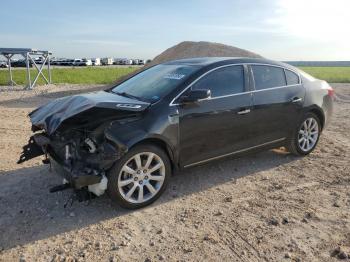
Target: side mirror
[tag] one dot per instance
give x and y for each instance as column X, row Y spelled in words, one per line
column 195, row 95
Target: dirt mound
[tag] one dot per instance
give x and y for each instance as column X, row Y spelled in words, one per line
column 190, row 49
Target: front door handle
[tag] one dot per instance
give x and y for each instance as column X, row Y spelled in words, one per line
column 296, row 100
column 243, row 112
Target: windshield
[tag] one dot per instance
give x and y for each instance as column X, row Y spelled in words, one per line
column 156, row 82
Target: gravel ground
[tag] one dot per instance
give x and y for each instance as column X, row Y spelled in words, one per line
column 269, row 206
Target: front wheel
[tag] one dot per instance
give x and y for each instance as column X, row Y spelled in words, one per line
column 139, row 177
column 306, row 135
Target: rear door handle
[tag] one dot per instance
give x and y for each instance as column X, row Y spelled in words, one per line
column 296, row 100
column 243, row 112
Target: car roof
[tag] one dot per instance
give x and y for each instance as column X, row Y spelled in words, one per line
column 212, row 61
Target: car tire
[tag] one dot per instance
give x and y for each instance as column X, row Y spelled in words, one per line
column 305, row 136
column 133, row 171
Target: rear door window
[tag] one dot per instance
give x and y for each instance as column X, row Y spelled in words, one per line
column 223, row 81
column 268, row 76
column 292, row 78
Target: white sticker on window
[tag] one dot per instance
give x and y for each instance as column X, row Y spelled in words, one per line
column 174, row 76
column 128, row 105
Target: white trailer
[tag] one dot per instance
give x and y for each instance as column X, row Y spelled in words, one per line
column 87, row 62
column 96, row 61
column 107, row 61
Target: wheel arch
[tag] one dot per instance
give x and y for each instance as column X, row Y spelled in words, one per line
column 318, row 112
column 161, row 143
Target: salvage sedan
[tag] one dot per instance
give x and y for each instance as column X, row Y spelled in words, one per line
column 129, row 139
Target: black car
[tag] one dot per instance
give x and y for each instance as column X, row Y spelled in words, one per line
column 3, row 65
column 128, row 139
column 21, row 63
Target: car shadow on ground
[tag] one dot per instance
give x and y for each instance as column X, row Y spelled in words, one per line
column 28, row 212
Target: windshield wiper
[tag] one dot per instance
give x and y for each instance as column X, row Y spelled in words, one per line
column 130, row 96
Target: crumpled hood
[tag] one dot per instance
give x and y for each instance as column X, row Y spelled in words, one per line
column 88, row 106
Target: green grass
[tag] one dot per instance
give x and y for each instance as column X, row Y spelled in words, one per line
column 86, row 75
column 330, row 74
column 108, row 75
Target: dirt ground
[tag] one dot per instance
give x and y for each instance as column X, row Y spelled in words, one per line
column 269, row 206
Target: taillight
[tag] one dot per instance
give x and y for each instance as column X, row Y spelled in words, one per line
column 330, row 91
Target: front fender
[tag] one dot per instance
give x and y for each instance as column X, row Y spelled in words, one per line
column 127, row 135
column 124, row 135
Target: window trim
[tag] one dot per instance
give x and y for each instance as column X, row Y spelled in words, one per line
column 217, row 68
column 275, row 87
column 172, row 103
column 285, row 75
column 208, row 72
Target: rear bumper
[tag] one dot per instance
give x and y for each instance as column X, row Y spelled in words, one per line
column 328, row 110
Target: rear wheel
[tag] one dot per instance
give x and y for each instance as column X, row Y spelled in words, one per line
column 139, row 177
column 306, row 135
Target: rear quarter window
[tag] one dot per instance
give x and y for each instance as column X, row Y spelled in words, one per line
column 268, row 76
column 291, row 77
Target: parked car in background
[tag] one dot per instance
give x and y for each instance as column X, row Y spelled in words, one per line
column 82, row 62
column 116, row 61
column 53, row 61
column 57, row 61
column 66, row 62
column 141, row 62
column 3, row 65
column 21, row 63
column 176, row 115
column 39, row 60
column 87, row 62
column 125, row 61
column 77, row 62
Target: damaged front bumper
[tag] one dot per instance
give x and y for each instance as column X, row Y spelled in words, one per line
column 78, row 160
column 77, row 176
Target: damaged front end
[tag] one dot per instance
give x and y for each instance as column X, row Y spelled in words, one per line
column 71, row 133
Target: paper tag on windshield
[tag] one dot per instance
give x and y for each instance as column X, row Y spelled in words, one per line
column 174, row 76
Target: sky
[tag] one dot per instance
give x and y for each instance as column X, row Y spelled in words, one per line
column 276, row 29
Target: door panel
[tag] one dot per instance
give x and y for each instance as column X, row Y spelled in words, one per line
column 276, row 105
column 276, row 112
column 214, row 127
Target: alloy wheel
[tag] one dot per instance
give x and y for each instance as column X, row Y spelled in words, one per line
column 308, row 134
column 141, row 177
